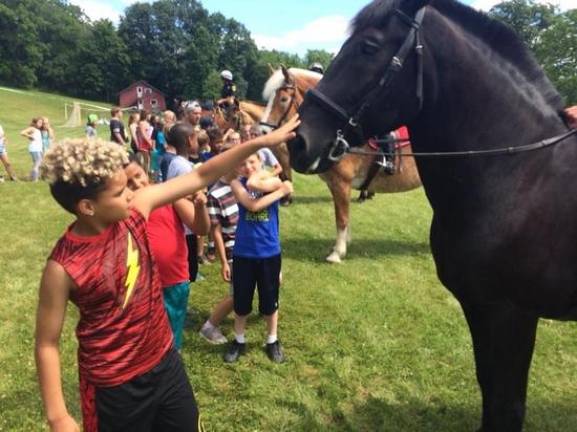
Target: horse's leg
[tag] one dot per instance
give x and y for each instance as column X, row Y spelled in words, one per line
column 503, row 341
column 341, row 192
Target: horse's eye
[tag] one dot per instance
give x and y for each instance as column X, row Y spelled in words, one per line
column 284, row 99
column 369, row 47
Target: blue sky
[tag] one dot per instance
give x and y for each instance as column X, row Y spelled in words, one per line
column 292, row 25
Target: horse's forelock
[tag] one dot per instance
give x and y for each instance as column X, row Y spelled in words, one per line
column 373, row 14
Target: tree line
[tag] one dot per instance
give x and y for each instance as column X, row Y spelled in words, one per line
column 180, row 47
column 176, row 45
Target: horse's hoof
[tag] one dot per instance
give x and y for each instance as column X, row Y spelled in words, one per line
column 334, row 258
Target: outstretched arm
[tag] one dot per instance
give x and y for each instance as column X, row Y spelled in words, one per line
column 54, row 291
column 210, row 171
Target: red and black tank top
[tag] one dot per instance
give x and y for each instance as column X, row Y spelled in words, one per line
column 123, row 331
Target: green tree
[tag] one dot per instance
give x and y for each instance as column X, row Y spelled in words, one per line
column 557, row 52
column 527, row 17
column 212, row 86
column 551, row 35
column 104, row 63
column 318, row 56
column 20, row 52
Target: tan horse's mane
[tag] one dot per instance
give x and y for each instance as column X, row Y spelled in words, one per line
column 253, row 109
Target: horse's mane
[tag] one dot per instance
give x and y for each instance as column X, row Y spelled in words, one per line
column 495, row 34
column 277, row 80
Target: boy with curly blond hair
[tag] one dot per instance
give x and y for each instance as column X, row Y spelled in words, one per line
column 131, row 377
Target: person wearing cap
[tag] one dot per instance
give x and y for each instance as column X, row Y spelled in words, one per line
column 228, row 92
column 91, row 126
column 317, row 67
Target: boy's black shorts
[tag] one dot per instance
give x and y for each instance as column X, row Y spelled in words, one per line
column 250, row 272
column 158, row 401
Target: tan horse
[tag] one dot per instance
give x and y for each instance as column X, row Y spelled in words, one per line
column 284, row 92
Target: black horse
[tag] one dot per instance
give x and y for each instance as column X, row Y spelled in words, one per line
column 504, row 228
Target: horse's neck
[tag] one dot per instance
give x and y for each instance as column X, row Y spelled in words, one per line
column 254, row 111
column 478, row 99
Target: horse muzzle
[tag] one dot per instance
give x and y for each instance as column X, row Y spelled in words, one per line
column 308, row 159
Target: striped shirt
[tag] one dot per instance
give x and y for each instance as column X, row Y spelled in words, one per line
column 223, row 210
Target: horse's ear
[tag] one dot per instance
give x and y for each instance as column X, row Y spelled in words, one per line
column 287, row 75
column 271, row 69
column 410, row 7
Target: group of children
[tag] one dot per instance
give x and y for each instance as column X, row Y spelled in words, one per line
column 123, row 264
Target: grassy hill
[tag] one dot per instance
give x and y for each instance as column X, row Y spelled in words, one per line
column 19, row 107
column 374, row 344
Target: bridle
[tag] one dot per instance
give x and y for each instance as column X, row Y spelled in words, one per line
column 412, row 42
column 341, row 146
column 293, row 104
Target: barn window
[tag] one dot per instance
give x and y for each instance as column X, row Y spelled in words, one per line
column 139, row 91
column 154, row 103
column 147, row 91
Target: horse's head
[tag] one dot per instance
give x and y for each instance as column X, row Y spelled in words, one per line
column 284, row 93
column 371, row 87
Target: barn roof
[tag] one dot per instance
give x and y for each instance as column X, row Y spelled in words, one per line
column 144, row 83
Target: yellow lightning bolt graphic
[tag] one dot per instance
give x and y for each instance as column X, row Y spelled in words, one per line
column 132, row 270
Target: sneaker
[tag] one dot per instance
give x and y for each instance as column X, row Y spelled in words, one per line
column 212, row 335
column 234, row 351
column 274, row 352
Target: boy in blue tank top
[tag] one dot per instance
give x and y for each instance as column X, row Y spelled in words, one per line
column 256, row 254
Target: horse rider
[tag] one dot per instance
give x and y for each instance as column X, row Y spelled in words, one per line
column 317, row 67
column 228, row 92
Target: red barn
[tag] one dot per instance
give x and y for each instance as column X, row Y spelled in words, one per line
column 142, row 95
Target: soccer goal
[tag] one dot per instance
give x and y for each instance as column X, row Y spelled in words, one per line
column 76, row 113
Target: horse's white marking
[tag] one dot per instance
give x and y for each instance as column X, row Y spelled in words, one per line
column 277, row 80
column 340, row 248
column 315, row 165
column 333, row 258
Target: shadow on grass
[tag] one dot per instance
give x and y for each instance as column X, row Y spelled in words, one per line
column 307, row 249
column 377, row 415
column 302, row 200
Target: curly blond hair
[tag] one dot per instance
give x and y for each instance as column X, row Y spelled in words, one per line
column 82, row 161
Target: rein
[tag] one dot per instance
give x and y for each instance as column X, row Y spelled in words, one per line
column 492, row 152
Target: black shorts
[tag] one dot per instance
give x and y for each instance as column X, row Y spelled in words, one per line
column 161, row 400
column 247, row 273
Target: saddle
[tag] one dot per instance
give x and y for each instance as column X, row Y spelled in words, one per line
column 388, row 157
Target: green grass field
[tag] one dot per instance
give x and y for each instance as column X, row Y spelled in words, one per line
column 374, row 344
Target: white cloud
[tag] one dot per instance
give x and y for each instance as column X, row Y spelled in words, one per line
column 485, row 5
column 96, row 10
column 327, row 32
